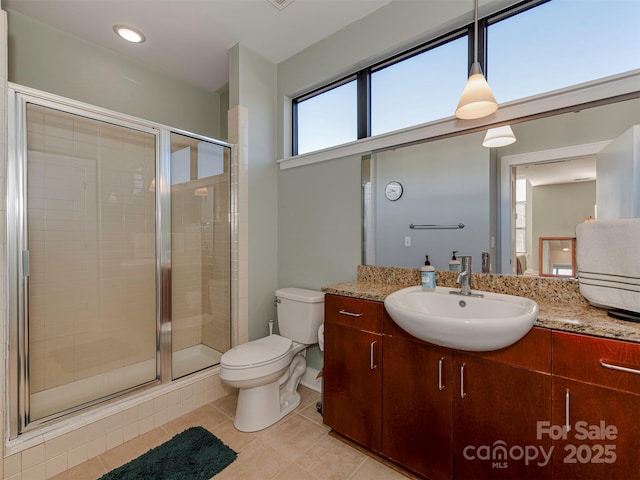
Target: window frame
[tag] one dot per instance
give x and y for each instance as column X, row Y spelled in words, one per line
column 315, row 93
column 363, row 76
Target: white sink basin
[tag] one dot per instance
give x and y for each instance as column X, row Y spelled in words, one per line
column 477, row 324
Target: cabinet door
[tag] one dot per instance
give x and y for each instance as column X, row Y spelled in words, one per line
column 497, row 408
column 353, row 384
column 416, row 415
column 603, row 438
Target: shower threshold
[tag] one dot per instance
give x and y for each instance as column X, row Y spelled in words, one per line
column 58, row 399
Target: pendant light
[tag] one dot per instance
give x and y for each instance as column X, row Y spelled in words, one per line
column 477, row 100
column 499, row 137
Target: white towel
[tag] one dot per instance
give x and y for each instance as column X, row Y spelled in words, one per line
column 608, row 261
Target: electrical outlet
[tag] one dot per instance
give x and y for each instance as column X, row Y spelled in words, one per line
column 407, row 241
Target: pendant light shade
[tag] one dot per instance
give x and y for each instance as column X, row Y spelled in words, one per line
column 477, row 99
column 499, row 137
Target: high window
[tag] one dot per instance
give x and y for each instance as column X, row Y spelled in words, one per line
column 531, row 48
column 418, row 89
column 580, row 41
column 327, row 118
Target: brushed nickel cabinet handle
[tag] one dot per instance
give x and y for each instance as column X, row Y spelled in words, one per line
column 462, row 392
column 440, row 384
column 350, row 314
column 567, row 424
column 373, row 355
column 619, row 368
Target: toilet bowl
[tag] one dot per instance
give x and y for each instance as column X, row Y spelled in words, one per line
column 267, row 371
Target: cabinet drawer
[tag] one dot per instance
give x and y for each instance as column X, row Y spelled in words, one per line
column 353, row 312
column 532, row 352
column 609, row 363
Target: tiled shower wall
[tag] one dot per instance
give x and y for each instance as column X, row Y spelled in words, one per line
column 200, row 266
column 186, row 269
column 238, row 128
column 216, row 265
column 201, row 261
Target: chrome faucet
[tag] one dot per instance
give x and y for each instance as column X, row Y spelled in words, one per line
column 464, row 277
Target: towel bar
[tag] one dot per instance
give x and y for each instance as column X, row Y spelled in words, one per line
column 435, row 227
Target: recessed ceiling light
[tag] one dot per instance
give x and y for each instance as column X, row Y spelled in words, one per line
column 130, row 34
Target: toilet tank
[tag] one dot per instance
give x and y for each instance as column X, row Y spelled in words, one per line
column 300, row 313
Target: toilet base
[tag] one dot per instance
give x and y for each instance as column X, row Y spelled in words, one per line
column 262, row 406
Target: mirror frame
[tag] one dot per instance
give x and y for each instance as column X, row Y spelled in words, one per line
column 572, row 241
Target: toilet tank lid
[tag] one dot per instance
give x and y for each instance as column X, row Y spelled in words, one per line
column 300, row 295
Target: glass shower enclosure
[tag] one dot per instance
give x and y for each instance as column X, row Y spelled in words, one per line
column 119, row 256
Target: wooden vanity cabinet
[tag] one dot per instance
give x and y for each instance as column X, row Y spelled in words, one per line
column 417, row 403
column 498, row 405
column 352, row 402
column 430, row 409
column 440, row 405
column 596, row 393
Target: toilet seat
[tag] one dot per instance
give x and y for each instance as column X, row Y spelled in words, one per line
column 257, row 353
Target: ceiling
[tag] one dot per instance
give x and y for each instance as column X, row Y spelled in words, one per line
column 189, row 39
column 581, row 169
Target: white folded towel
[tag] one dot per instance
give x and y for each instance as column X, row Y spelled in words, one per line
column 608, row 262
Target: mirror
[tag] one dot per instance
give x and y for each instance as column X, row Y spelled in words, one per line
column 557, row 257
column 550, row 200
column 456, row 180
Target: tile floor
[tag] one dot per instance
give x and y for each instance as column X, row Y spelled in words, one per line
column 298, row 447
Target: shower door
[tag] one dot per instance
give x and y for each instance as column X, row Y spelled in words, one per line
column 200, row 253
column 119, row 256
column 89, row 324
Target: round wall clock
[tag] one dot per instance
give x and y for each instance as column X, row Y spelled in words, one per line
column 393, row 191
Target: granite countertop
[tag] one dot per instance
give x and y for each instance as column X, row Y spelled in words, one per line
column 560, row 308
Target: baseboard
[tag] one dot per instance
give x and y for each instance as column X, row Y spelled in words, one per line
column 309, row 379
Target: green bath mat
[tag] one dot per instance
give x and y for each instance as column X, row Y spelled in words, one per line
column 195, row 454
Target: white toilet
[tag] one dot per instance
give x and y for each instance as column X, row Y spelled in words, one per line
column 268, row 370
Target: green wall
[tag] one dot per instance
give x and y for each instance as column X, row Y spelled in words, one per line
column 319, row 227
column 51, row 60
